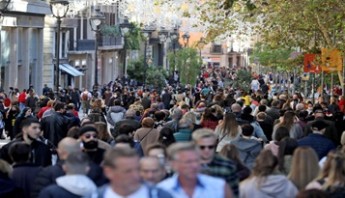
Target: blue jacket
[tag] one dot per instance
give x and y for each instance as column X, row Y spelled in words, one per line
column 321, row 144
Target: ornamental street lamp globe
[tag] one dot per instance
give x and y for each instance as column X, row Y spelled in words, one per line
column 59, row 8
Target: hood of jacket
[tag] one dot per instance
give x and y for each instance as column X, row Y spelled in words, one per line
column 117, row 109
column 243, row 144
column 77, row 184
column 275, row 185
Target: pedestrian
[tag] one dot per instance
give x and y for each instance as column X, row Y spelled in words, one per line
column 152, row 170
column 185, row 161
column 75, row 183
column 147, row 134
column 121, row 167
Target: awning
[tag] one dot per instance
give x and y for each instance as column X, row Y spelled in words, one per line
column 70, row 70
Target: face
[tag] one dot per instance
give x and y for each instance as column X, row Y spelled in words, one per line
column 187, row 164
column 28, row 112
column 156, row 152
column 151, row 171
column 89, row 136
column 207, row 148
column 125, row 173
column 34, row 130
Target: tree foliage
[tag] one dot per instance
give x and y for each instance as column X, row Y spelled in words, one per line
column 243, row 80
column 187, row 61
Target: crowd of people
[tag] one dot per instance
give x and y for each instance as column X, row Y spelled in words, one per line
column 207, row 140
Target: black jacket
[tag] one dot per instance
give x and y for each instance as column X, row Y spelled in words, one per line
column 55, row 191
column 40, row 153
column 8, row 188
column 55, row 127
column 23, row 175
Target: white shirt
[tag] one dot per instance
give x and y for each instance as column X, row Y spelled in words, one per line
column 142, row 192
column 206, row 187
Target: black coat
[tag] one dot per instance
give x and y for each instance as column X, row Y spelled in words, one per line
column 40, row 153
column 23, row 175
column 55, row 191
column 8, row 188
column 55, row 127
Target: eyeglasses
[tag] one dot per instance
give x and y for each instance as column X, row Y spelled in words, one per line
column 203, row 147
column 88, row 136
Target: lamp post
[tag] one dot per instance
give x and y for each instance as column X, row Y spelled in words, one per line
column 146, row 34
column 95, row 22
column 185, row 38
column 174, row 36
column 59, row 9
column 125, row 28
column 201, row 44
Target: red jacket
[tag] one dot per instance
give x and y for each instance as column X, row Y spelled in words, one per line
column 22, row 97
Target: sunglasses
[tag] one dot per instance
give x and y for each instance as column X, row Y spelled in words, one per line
column 88, row 136
column 210, row 147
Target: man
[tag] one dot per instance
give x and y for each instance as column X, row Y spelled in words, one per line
column 188, row 182
column 121, row 167
column 75, row 183
column 331, row 131
column 166, row 98
column 89, row 140
column 115, row 113
column 212, row 163
column 85, row 100
column 55, row 126
column 176, row 117
column 274, row 111
column 40, row 152
column 128, row 120
column 152, row 170
column 184, row 133
column 248, row 147
column 317, row 140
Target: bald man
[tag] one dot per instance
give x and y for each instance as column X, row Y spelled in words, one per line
column 151, row 170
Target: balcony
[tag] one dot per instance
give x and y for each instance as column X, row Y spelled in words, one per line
column 105, row 43
column 216, row 49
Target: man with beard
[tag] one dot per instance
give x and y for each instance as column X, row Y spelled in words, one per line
column 89, row 140
column 40, row 152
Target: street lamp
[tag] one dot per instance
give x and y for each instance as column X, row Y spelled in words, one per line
column 147, row 34
column 174, row 36
column 163, row 37
column 95, row 22
column 201, row 44
column 3, row 7
column 125, row 28
column 185, row 38
column 59, row 9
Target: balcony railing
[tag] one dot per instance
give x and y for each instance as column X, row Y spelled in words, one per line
column 104, row 41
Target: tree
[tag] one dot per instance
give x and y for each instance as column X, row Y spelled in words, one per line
column 187, row 61
column 136, row 69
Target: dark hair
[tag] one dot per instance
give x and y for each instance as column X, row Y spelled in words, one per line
column 125, row 129
column 247, row 130
column 166, row 136
column 28, row 121
column 73, row 132
column 20, row 152
column 117, row 102
column 281, row 133
column 58, row 106
column 159, row 115
column 262, row 108
column 286, row 147
column 124, row 139
column 312, row 193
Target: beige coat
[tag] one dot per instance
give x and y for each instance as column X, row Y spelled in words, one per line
column 146, row 136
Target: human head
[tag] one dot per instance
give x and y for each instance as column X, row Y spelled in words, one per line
column 102, row 130
column 236, row 108
column 151, row 170
column 166, row 136
column 247, row 130
column 265, row 164
column 130, row 114
column 319, row 126
column 20, row 152
column 76, row 163
column 121, row 168
column 185, row 124
column 59, row 107
column 177, row 114
column 88, row 135
column 304, row 167
column 31, row 128
column 318, row 112
column 205, row 139
column 148, row 122
column 312, row 193
column 66, row 146
column 124, row 141
column 159, row 115
column 185, row 160
column 281, row 133
column 230, row 152
column 261, row 116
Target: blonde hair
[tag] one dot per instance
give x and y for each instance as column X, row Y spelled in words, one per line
column 203, row 133
column 5, row 167
column 342, row 139
column 304, row 167
column 336, row 175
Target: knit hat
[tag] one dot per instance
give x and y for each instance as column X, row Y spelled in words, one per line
column 86, row 129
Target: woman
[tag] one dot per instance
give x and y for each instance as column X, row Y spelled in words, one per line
column 289, row 121
column 25, row 113
column 230, row 152
column 304, row 167
column 264, row 182
column 97, row 111
column 332, row 179
column 227, row 130
column 209, row 118
column 103, row 133
column 10, row 120
column 166, row 136
column 147, row 134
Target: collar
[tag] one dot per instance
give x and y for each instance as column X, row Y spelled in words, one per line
column 177, row 184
